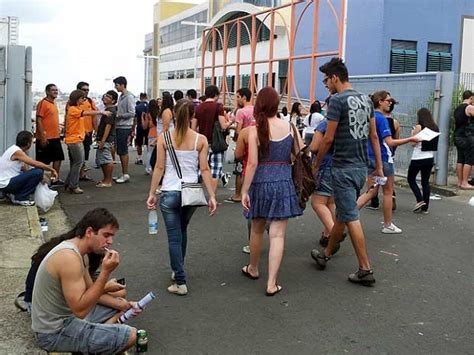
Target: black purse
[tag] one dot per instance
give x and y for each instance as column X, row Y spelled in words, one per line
column 218, row 144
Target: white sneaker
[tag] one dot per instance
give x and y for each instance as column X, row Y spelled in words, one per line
column 172, row 276
column 391, row 229
column 123, row 179
column 246, row 249
column 180, row 290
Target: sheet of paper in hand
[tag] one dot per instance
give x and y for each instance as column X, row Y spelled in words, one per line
column 427, row 134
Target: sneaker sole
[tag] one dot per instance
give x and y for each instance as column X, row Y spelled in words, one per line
column 391, row 232
column 315, row 258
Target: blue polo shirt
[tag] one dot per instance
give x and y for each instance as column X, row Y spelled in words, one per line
column 383, row 131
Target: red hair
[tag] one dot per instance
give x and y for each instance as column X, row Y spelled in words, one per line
column 266, row 106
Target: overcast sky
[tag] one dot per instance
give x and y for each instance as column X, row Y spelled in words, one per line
column 88, row 40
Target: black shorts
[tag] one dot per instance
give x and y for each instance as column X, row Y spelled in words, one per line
column 52, row 152
column 142, row 137
column 465, row 148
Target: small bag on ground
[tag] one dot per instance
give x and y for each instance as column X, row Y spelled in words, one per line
column 44, row 197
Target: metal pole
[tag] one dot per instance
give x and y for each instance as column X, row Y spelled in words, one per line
column 442, row 107
column 195, row 50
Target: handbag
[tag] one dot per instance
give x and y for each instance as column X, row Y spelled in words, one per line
column 218, row 143
column 302, row 172
column 192, row 193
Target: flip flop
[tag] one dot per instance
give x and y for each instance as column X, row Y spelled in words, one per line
column 231, row 199
column 270, row 294
column 246, row 273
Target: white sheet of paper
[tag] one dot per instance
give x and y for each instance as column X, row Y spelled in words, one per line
column 427, row 134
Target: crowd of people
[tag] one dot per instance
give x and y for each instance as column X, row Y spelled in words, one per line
column 352, row 144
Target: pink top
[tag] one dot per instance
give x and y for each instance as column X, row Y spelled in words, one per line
column 245, row 116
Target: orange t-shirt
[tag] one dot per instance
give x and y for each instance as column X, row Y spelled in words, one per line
column 75, row 130
column 49, row 114
column 88, row 120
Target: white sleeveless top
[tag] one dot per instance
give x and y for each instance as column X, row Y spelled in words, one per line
column 189, row 164
column 418, row 154
column 9, row 168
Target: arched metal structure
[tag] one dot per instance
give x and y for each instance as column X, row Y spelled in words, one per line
column 268, row 18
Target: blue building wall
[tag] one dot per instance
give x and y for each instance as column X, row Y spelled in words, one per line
column 372, row 24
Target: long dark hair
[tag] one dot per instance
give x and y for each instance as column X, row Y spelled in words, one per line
column 184, row 112
column 166, row 102
column 425, row 119
column 266, row 106
column 295, row 109
column 96, row 219
column 153, row 110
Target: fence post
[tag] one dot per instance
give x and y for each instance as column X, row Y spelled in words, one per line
column 446, row 98
column 3, row 76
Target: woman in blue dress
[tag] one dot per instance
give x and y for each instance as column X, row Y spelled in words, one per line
column 268, row 193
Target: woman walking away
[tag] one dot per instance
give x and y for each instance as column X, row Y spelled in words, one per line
column 422, row 160
column 311, row 122
column 75, row 133
column 191, row 150
column 268, row 193
column 322, row 199
column 164, row 121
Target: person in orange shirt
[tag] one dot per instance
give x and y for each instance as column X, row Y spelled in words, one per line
column 75, row 133
column 48, row 142
column 87, row 105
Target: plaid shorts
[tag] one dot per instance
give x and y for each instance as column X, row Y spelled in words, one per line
column 216, row 161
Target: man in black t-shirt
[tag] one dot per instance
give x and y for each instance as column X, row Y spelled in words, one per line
column 105, row 139
column 141, row 135
column 464, row 139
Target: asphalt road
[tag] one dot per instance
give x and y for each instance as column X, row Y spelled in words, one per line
column 422, row 301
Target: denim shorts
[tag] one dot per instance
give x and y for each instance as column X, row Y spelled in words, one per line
column 388, row 168
column 121, row 137
column 347, row 184
column 87, row 335
column 104, row 156
column 324, row 183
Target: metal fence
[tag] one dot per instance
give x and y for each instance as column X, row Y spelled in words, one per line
column 412, row 91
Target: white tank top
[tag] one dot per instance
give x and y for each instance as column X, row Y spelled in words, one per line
column 418, row 154
column 189, row 164
column 9, row 168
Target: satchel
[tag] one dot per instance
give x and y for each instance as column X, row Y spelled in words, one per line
column 192, row 194
column 302, row 172
column 218, row 143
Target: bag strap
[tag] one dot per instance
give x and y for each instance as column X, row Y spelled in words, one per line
column 172, row 153
column 294, row 149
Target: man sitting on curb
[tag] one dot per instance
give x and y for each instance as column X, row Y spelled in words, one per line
column 16, row 179
column 70, row 312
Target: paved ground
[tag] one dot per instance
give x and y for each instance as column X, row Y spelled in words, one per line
column 422, row 302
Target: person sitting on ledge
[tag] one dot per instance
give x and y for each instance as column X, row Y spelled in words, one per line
column 70, row 312
column 17, row 179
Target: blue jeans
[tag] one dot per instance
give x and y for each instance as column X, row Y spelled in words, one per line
column 23, row 185
column 176, row 221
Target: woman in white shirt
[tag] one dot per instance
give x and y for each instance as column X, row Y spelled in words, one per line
column 191, row 150
column 312, row 121
column 422, row 160
column 16, row 179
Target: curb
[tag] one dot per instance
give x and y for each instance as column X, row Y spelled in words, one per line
column 33, row 222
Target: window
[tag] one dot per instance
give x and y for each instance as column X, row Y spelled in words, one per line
column 230, row 83
column 403, row 57
column 245, row 81
column 439, row 57
column 207, row 81
column 177, row 33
